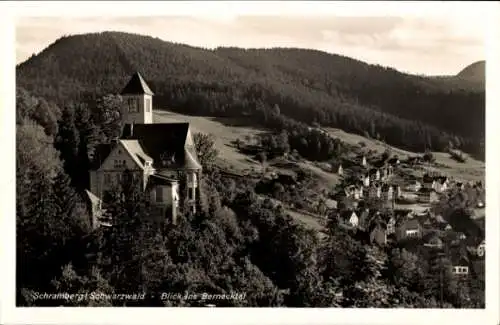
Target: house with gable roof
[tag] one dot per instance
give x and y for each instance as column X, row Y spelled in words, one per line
column 409, row 228
column 161, row 157
column 349, row 217
column 460, row 262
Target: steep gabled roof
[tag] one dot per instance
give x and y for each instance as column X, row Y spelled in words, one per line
column 165, row 143
column 136, row 86
column 94, row 200
column 135, row 150
column 190, row 162
column 347, row 214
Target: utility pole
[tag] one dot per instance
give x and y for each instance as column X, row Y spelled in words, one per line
column 441, row 282
column 440, row 255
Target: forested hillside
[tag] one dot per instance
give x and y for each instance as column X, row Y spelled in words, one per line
column 474, row 72
column 407, row 111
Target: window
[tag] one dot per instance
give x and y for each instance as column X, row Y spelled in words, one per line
column 107, row 178
column 120, row 163
column 190, row 194
column 461, row 269
column 412, row 233
column 132, row 105
column 159, row 194
column 148, row 105
column 118, row 178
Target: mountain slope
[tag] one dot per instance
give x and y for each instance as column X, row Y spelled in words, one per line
column 309, row 86
column 474, row 72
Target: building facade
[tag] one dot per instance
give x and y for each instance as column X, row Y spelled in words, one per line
column 161, row 158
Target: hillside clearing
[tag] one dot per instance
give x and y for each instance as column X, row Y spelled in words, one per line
column 472, row 169
column 225, row 134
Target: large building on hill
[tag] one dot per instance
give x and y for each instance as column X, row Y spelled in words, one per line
column 161, row 158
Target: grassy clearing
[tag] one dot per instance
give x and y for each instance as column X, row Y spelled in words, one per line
column 472, row 169
column 306, row 220
column 328, row 180
column 223, row 133
column 226, row 130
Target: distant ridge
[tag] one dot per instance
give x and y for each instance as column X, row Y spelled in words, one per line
column 309, row 86
column 474, row 72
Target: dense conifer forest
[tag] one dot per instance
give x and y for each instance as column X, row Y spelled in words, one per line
column 239, row 242
column 407, row 111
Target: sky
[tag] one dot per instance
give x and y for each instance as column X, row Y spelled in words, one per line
column 434, row 43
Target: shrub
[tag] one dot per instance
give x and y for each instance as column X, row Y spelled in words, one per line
column 457, row 156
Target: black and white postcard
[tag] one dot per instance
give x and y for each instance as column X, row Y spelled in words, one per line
column 324, row 159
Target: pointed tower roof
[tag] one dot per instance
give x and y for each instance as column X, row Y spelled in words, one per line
column 136, row 86
column 190, row 162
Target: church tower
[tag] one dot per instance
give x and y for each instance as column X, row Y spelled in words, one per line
column 138, row 101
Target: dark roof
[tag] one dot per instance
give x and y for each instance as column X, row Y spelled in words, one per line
column 459, row 256
column 136, row 86
column 156, row 179
column 347, row 214
column 432, row 237
column 393, row 160
column 412, row 224
column 425, row 190
column 427, row 178
column 442, row 179
column 101, row 152
column 165, row 143
column 473, row 241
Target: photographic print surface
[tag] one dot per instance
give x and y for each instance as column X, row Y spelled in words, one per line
column 252, row 161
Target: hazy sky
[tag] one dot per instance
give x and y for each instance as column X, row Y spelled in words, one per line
column 439, row 44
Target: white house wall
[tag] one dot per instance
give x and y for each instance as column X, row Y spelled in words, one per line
column 141, row 116
column 98, row 179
